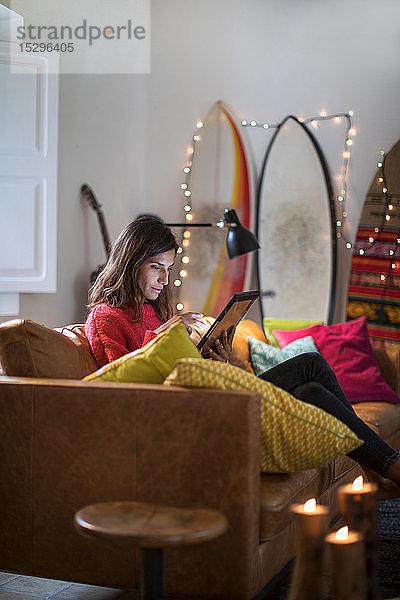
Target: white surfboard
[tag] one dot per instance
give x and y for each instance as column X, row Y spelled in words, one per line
column 296, row 228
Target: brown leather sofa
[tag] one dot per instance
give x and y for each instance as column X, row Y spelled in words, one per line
column 66, row 443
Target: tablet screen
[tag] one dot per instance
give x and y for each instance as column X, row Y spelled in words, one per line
column 230, row 316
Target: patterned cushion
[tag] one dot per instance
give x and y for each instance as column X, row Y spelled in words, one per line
column 294, row 435
column 264, row 357
column 153, row 362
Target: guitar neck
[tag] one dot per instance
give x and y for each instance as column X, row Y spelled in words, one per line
column 104, row 232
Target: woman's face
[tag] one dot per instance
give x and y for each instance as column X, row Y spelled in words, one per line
column 153, row 275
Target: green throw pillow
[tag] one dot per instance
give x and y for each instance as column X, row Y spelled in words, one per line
column 287, row 324
column 264, row 357
column 152, row 363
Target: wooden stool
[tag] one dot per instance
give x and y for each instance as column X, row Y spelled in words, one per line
column 153, row 528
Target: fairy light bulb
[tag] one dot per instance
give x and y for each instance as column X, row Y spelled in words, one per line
column 183, row 273
column 177, row 282
column 391, row 252
column 380, row 179
column 382, row 153
column 349, row 142
column 346, row 154
column 370, row 239
column 183, row 186
column 180, row 250
column 323, row 113
column 186, row 170
column 340, row 198
column 253, row 123
column 338, row 223
column 379, row 165
column 390, row 206
column 344, row 213
column 186, row 234
column 188, row 193
column 196, row 138
column 190, row 150
column 199, row 124
column 351, row 113
column 393, row 265
column 387, row 217
column 185, row 260
column 187, row 207
column 314, row 124
column 384, row 190
column 376, row 229
column 352, row 131
column 338, row 119
column 361, row 251
column 244, row 123
column 189, row 216
column 179, row 306
column 348, row 245
column 383, row 277
column 266, row 125
column 185, row 243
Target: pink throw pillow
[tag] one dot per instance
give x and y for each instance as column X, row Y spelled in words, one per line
column 348, row 350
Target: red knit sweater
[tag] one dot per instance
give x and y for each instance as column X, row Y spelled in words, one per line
column 112, row 333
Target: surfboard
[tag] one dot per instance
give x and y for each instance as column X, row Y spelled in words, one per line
column 374, row 286
column 221, row 177
column 296, row 228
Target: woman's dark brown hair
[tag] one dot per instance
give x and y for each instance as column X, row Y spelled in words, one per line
column 117, row 283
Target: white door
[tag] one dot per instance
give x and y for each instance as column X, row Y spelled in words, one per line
column 28, row 175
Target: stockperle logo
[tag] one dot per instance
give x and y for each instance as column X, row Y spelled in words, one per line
column 84, row 36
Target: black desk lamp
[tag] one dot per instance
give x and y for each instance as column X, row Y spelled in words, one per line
column 239, row 240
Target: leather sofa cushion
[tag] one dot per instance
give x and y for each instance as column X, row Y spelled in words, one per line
column 279, row 491
column 28, row 349
column 383, row 417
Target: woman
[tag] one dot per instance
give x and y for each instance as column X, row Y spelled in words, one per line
column 130, row 305
column 130, row 299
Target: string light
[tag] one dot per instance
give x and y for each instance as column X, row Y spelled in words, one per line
column 350, row 132
column 179, row 306
column 177, row 282
column 384, row 278
column 185, row 259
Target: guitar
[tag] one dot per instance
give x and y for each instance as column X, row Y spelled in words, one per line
column 88, row 195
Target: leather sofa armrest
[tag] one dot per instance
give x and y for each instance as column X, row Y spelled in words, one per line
column 73, row 443
column 388, row 360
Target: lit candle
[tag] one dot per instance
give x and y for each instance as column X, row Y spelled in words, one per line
column 347, row 565
column 312, row 523
column 358, row 506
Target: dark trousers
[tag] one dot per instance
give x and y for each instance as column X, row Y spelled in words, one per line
column 310, row 378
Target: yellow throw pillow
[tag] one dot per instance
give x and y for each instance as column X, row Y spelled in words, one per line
column 294, row 435
column 153, row 362
column 287, row 324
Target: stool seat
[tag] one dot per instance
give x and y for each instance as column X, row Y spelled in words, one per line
column 149, row 525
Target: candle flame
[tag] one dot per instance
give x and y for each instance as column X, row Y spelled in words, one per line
column 358, row 483
column 310, row 505
column 342, row 533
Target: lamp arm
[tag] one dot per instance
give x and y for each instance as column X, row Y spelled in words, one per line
column 191, row 224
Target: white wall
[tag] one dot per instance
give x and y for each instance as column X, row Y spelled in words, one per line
column 127, row 135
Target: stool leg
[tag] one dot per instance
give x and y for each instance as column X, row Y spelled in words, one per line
column 152, row 572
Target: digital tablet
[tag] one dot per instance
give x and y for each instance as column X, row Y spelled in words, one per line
column 230, row 316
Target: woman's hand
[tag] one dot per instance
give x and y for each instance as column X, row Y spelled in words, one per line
column 221, row 348
column 188, row 319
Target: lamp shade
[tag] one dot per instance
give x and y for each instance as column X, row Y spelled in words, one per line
column 239, row 239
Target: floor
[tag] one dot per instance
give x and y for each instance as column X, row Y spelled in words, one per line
column 21, row 587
